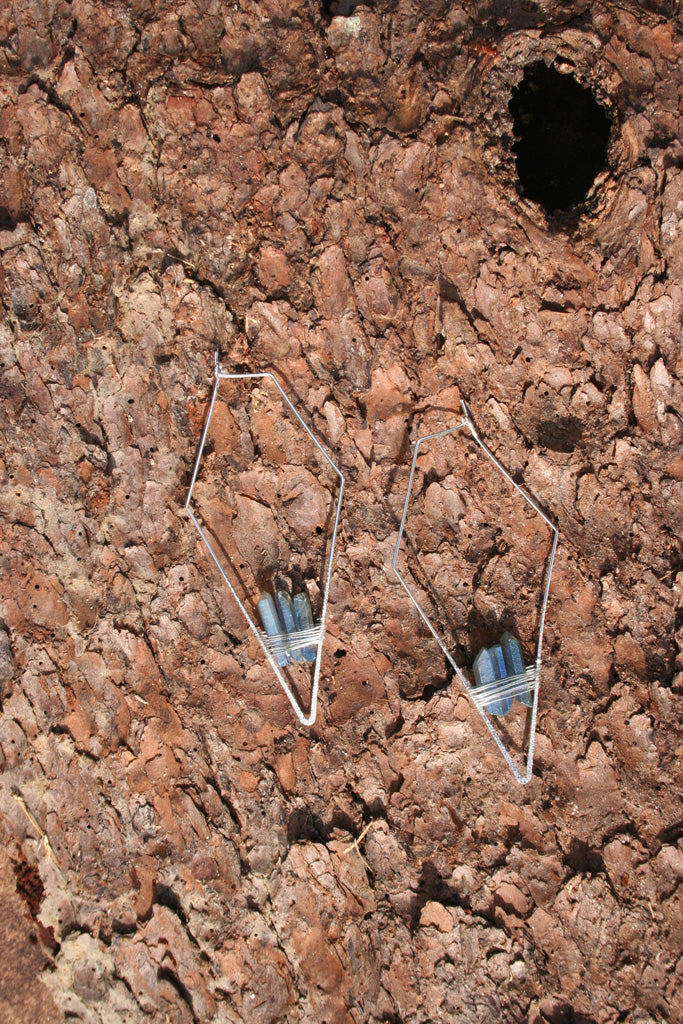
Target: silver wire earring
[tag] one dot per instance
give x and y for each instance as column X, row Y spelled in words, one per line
column 498, row 671
column 290, row 634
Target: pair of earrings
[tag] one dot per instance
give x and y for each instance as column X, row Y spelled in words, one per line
column 290, row 635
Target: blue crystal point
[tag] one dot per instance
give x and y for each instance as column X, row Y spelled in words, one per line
column 489, row 667
column 271, row 623
column 514, row 663
column 284, row 606
column 303, row 613
column 496, row 652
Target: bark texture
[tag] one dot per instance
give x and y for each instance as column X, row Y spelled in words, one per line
column 329, row 190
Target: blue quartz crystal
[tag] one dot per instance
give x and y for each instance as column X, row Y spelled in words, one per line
column 303, row 614
column 284, row 606
column 499, row 664
column 514, row 664
column 498, row 660
column 272, row 624
column 489, row 667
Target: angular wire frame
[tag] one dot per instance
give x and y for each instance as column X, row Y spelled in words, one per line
column 267, row 645
column 531, row 675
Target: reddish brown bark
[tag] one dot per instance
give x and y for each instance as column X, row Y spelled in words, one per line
column 332, row 193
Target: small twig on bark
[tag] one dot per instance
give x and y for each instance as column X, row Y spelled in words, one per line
column 354, row 845
column 50, row 852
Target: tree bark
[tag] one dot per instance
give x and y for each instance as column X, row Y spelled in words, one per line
column 329, row 192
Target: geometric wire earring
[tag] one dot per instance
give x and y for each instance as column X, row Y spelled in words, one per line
column 290, row 634
column 499, row 675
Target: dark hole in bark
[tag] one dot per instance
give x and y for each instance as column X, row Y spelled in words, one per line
column 561, row 134
column 340, row 8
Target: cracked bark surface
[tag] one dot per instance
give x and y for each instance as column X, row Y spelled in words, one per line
column 329, row 190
